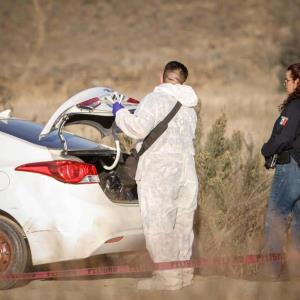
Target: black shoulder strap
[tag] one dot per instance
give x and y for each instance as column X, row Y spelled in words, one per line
column 159, row 129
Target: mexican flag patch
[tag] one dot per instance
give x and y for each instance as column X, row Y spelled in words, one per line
column 283, row 120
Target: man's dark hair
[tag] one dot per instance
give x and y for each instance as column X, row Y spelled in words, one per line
column 178, row 68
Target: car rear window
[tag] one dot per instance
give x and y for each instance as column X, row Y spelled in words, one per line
column 30, row 131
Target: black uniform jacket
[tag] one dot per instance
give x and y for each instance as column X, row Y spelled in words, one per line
column 286, row 133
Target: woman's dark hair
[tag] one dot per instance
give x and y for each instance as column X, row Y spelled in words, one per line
column 295, row 74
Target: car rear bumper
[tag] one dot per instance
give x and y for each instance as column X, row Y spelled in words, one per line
column 74, row 222
column 54, row 246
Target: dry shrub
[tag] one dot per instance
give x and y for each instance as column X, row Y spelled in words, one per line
column 6, row 96
column 233, row 195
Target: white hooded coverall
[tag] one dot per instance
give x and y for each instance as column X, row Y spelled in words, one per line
column 166, row 176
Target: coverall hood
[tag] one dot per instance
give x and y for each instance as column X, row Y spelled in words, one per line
column 183, row 93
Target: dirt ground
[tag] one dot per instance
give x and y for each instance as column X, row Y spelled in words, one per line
column 206, row 285
column 210, row 288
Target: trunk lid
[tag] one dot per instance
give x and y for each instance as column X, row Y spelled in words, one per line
column 93, row 105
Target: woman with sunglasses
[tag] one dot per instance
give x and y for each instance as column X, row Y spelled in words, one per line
column 282, row 152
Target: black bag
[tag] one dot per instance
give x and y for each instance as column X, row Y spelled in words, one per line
column 278, row 159
column 131, row 163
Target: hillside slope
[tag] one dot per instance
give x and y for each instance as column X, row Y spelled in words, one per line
column 52, row 49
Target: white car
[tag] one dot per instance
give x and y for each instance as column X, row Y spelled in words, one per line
column 62, row 196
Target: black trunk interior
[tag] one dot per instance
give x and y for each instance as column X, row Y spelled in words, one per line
column 114, row 183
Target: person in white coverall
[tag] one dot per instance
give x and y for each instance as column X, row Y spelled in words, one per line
column 166, row 176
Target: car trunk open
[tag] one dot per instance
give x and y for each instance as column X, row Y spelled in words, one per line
column 116, row 186
column 92, row 107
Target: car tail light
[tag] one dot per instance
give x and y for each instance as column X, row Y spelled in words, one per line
column 66, row 171
column 115, row 240
column 132, row 100
column 90, row 103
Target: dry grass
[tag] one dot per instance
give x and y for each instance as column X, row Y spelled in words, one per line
column 234, row 51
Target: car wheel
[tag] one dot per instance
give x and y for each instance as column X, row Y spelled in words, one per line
column 13, row 251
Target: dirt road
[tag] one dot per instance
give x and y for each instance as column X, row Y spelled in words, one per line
column 211, row 288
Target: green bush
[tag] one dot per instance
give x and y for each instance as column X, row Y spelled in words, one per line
column 233, row 195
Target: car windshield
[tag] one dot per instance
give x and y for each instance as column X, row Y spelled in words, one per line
column 30, row 131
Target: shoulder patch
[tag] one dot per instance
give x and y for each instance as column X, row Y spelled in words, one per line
column 283, row 120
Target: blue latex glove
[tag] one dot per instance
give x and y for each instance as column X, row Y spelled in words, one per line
column 116, row 106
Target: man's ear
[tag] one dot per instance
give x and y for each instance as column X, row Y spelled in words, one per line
column 161, row 78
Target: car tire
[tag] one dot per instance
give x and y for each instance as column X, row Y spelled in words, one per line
column 14, row 253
